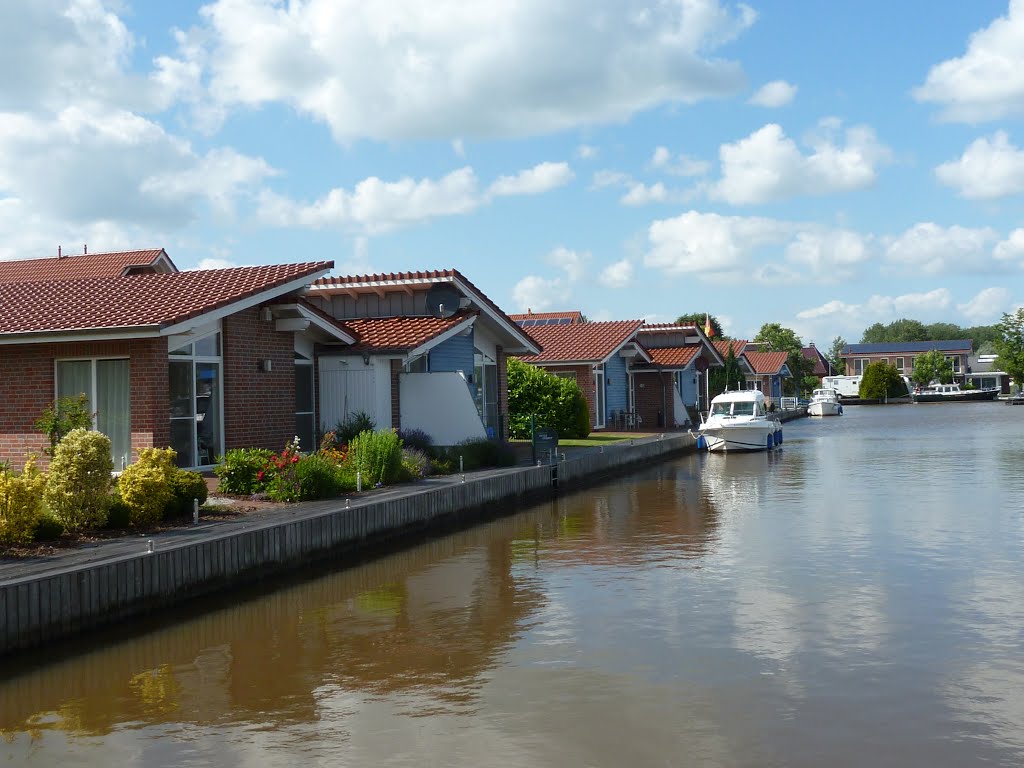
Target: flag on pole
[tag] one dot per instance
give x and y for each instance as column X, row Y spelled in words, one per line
column 708, row 330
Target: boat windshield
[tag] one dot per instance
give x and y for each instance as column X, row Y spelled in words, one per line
column 720, row 409
column 743, row 409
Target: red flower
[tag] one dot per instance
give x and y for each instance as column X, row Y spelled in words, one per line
column 295, row 459
column 259, row 475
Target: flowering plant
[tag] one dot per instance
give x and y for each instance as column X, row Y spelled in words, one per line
column 280, row 473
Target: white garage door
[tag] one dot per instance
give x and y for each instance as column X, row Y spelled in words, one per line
column 349, row 386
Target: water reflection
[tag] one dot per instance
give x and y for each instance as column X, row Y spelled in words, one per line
column 855, row 598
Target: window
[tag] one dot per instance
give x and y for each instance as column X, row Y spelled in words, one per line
column 485, row 391
column 565, row 374
column 105, row 385
column 859, row 364
column 196, row 397
column 955, row 360
column 899, row 364
column 305, row 422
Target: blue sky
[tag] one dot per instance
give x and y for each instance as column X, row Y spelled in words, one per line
column 821, row 165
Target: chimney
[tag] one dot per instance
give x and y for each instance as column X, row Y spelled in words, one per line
column 85, row 249
column 529, row 311
column 58, row 252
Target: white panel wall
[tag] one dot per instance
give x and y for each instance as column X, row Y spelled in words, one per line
column 441, row 405
column 348, row 385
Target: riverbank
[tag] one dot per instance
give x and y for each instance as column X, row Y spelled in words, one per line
column 44, row 599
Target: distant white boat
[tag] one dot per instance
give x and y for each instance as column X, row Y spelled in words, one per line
column 739, row 421
column 824, row 402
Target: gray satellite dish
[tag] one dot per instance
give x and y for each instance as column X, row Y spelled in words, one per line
column 442, row 300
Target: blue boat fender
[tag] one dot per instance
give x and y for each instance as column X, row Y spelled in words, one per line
column 840, row 410
column 770, row 441
column 702, row 443
column 778, row 437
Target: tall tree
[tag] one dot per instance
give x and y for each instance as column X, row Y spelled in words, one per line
column 697, row 318
column 835, row 356
column 1010, row 345
column 778, row 338
column 944, row 331
column 896, row 331
column 932, row 366
column 781, row 339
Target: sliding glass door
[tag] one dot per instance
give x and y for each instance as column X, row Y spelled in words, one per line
column 196, row 402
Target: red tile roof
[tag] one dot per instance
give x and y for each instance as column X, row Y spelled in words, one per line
column 813, row 354
column 367, row 283
column 582, row 342
column 766, row 363
column 722, row 345
column 138, row 301
column 668, row 326
column 397, row 334
column 75, row 267
column 574, row 316
column 673, row 357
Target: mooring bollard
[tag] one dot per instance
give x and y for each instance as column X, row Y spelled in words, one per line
column 195, row 511
column 460, row 465
column 149, row 546
column 348, row 503
column 359, row 481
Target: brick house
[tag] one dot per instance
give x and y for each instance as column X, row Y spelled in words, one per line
column 430, row 354
column 670, row 389
column 203, row 361
column 901, row 355
column 598, row 356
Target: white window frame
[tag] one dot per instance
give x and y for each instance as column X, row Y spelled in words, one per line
column 195, row 360
column 600, row 398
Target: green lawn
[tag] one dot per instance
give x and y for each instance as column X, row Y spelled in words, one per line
column 593, row 441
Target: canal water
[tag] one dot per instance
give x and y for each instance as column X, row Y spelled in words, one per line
column 855, row 598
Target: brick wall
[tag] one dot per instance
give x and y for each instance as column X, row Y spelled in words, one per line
column 652, row 393
column 27, row 387
column 259, row 406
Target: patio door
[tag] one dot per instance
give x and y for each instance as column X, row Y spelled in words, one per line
column 599, row 399
column 196, row 398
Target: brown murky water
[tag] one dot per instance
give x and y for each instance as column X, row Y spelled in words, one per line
column 853, row 599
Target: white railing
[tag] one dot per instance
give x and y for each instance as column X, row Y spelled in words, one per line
column 788, row 403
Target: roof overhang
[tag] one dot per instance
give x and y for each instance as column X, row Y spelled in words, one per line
column 522, row 343
column 300, row 318
column 630, row 350
column 86, row 334
column 455, row 330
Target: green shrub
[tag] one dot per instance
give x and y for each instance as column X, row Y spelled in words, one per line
column 119, row 516
column 280, row 476
column 353, row 425
column 62, row 416
column 881, row 381
column 186, row 486
column 416, row 438
column 480, row 453
column 378, row 455
column 415, row 464
column 21, row 502
column 146, row 493
column 47, row 528
column 78, row 483
column 550, row 400
column 318, row 476
column 241, row 471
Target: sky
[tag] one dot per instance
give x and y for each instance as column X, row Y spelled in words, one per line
column 824, row 166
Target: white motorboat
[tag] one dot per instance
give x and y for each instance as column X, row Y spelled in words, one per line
column 824, row 402
column 739, row 421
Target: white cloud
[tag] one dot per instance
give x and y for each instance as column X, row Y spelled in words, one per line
column 533, row 181
column 586, row 152
column 987, row 82
column 777, row 93
column 709, row 243
column 479, row 69
column 573, row 263
column 682, row 165
column 215, row 263
column 375, row 206
column 538, row 294
column 617, row 275
column 845, row 318
column 459, row 147
column 830, row 255
column 987, row 305
column 641, row 194
column 767, row 166
column 931, row 249
column 1012, row 248
column 987, row 169
column 606, row 178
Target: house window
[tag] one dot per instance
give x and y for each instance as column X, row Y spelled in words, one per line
column 305, row 422
column 955, row 360
column 196, row 397
column 859, row 364
column 899, row 364
column 485, row 386
column 105, row 385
